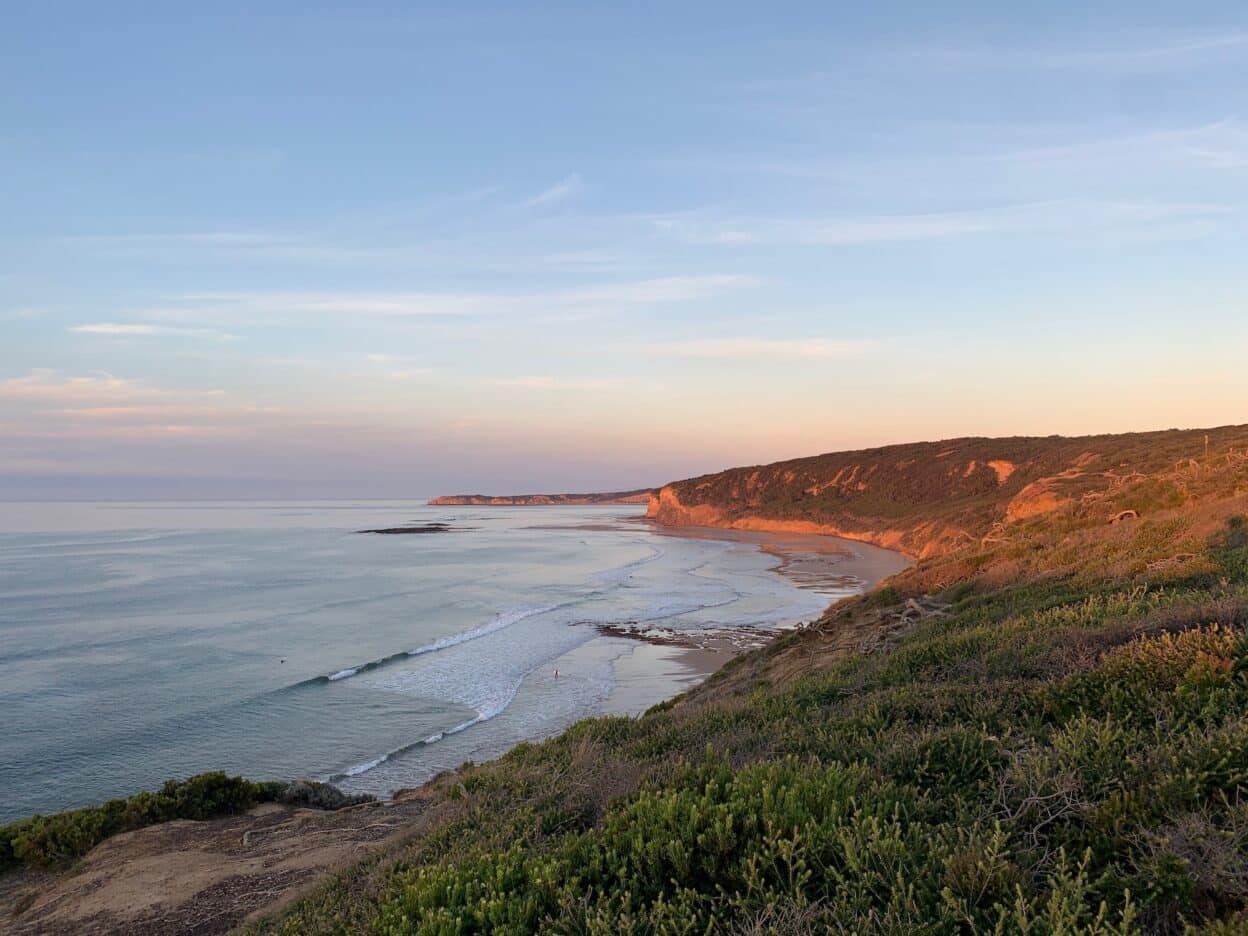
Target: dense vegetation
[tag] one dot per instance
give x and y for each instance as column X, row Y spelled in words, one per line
column 52, row 840
column 1044, row 733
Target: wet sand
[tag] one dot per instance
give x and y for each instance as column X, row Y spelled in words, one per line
column 650, row 669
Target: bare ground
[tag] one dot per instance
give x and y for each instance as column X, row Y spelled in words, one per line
column 197, row 878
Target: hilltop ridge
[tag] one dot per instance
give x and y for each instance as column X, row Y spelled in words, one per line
column 932, row 498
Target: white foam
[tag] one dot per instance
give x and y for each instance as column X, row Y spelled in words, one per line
column 492, row 711
column 506, row 619
column 464, row 726
column 365, row 768
column 500, row 621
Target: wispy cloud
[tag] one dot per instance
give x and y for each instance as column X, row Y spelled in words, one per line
column 655, row 291
column 660, row 290
column 231, row 246
column 832, row 231
column 531, row 382
column 103, row 408
column 332, row 303
column 45, row 384
column 561, row 191
column 509, row 243
column 149, row 330
column 1038, row 217
column 587, row 260
column 1222, row 144
column 149, row 413
column 758, row 348
column 548, row 382
column 1142, row 53
column 1188, row 51
column 398, row 367
column 242, row 240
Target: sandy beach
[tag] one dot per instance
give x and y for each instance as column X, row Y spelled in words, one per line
column 818, row 562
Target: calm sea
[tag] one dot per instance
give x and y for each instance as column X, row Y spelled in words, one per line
column 140, row 642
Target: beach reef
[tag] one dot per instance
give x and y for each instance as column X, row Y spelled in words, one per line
column 1039, row 728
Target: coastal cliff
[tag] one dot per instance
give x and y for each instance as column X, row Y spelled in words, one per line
column 666, row 507
column 640, row 496
column 932, row 498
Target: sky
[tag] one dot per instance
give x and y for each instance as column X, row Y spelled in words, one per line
column 403, row 249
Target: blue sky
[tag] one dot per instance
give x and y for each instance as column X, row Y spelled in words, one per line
column 405, row 248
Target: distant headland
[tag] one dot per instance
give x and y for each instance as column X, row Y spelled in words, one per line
column 641, row 496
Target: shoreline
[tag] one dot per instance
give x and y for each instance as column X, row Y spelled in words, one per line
column 810, row 558
column 652, row 664
column 831, row 566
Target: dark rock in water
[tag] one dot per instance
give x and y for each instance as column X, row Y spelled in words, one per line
column 422, row 528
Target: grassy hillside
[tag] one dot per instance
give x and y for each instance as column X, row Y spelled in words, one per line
column 1042, row 732
column 936, row 497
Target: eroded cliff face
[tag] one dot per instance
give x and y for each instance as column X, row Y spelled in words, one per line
column 923, row 540
column 933, row 498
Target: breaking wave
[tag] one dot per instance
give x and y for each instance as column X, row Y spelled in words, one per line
column 506, row 619
column 496, row 707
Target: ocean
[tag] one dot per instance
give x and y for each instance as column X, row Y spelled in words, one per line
column 140, row 642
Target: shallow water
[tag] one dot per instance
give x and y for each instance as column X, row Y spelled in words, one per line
column 141, row 642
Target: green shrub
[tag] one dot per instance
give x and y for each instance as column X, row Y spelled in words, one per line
column 314, row 795
column 52, row 840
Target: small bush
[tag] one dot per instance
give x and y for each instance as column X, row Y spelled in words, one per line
column 316, row 795
column 1237, row 532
